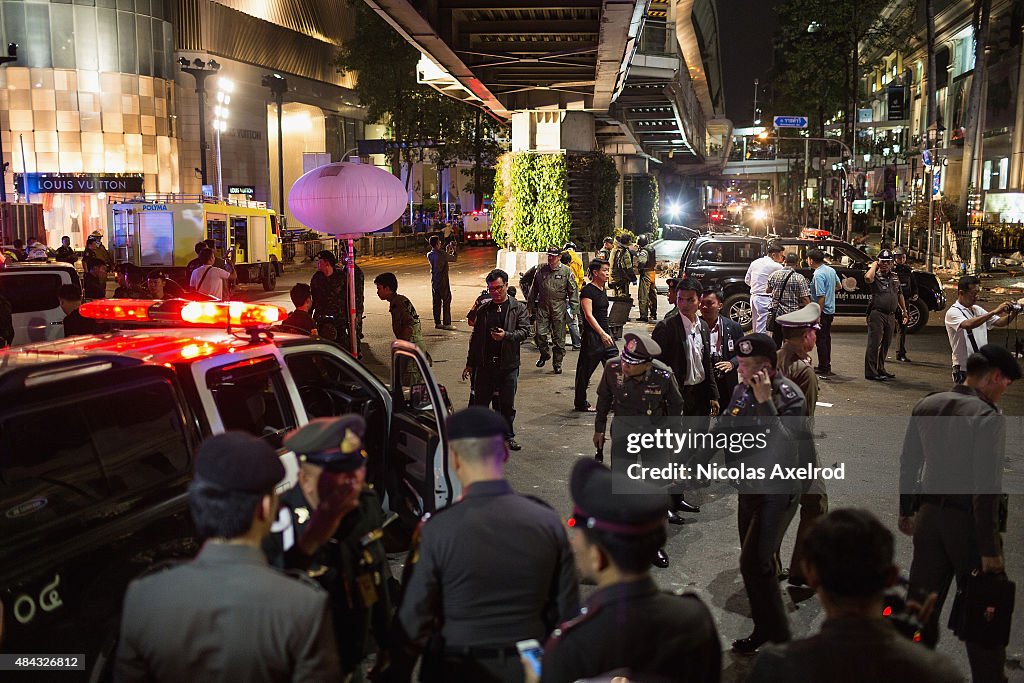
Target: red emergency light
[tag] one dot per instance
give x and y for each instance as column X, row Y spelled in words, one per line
column 205, row 313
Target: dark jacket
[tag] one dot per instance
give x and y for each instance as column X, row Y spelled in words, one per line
column 732, row 332
column 517, row 329
column 671, row 337
column 330, row 294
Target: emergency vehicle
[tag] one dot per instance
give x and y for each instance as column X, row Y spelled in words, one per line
column 98, row 433
column 477, row 226
column 162, row 234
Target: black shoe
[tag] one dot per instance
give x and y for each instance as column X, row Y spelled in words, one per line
column 783, row 575
column 888, row 374
column 903, row 359
column 437, row 326
column 644, row 320
column 876, row 378
column 683, row 506
column 749, row 645
column 513, row 445
column 674, row 518
column 661, row 559
column 557, row 368
column 542, row 361
column 584, row 409
column 576, row 347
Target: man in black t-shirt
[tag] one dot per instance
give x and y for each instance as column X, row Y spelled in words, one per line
column 300, row 321
column 597, row 339
column 70, row 297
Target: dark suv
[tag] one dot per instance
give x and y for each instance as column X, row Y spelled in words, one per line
column 722, row 260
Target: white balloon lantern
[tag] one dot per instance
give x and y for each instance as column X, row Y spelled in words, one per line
column 349, row 200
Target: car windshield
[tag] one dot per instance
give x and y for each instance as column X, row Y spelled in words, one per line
column 669, row 250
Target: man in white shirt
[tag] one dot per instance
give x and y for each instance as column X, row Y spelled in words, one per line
column 207, row 278
column 967, row 324
column 757, row 279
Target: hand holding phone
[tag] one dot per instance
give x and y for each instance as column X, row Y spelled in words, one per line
column 531, row 654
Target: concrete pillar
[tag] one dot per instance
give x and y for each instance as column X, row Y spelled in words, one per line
column 1017, row 154
column 553, row 131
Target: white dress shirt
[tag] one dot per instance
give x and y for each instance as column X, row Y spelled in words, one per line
column 758, row 274
column 695, row 352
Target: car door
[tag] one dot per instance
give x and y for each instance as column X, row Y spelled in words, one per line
column 35, row 308
column 421, row 481
column 850, row 264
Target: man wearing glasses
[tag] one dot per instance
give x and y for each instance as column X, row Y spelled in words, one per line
column 502, row 325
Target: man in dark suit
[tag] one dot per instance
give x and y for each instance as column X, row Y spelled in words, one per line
column 725, row 335
column 269, row 627
column 685, row 342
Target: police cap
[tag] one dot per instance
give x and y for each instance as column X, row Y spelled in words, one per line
column 236, row 461
column 899, row 251
column 321, row 442
column 639, row 348
column 1000, row 357
column 554, row 251
column 608, row 239
column 885, row 255
column 807, row 316
column 613, row 503
column 476, row 422
column 757, row 344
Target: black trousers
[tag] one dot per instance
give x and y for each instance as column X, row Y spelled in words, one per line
column 824, row 343
column 901, row 330
column 441, row 293
column 945, row 548
column 448, row 667
column 879, row 337
column 763, row 520
column 490, row 379
column 587, row 361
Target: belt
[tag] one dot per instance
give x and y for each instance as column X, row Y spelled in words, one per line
column 954, row 502
column 477, row 652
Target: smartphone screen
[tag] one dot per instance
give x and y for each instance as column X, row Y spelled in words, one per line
column 532, row 652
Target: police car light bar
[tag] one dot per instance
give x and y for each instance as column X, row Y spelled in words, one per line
column 205, row 313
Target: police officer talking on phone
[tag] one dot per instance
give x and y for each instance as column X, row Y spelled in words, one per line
column 887, row 303
column 627, row 626
column 330, row 527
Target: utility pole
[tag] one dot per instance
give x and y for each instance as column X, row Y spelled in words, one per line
column 200, row 71
column 278, row 87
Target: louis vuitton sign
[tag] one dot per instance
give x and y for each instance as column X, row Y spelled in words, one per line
column 80, row 183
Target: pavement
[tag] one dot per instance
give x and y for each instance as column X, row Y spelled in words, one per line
column 857, row 417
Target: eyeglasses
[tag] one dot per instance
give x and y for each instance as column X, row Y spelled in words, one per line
column 495, row 288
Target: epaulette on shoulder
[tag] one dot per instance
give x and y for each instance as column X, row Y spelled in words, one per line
column 787, row 391
column 586, row 613
column 303, row 578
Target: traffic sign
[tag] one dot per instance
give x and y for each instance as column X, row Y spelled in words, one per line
column 790, row 121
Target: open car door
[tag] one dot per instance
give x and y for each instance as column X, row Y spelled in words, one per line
column 418, row 477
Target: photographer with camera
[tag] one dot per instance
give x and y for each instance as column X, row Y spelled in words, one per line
column 967, row 323
column 848, row 561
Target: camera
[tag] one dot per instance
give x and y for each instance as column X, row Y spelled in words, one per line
column 1016, row 307
column 895, row 610
column 716, row 358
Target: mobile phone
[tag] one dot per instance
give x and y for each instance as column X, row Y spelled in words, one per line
column 495, row 329
column 532, row 652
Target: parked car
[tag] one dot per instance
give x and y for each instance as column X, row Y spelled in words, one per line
column 722, row 260
column 32, row 290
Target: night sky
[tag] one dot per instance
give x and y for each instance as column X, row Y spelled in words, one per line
column 745, row 29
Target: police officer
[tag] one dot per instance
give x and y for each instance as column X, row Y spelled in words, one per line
column 329, row 289
column 887, row 303
column 488, row 571
column 605, row 252
column 636, row 384
column 616, row 528
column 766, row 506
column 799, row 334
column 341, row 546
column 646, row 263
column 909, row 288
column 552, row 286
column 951, row 499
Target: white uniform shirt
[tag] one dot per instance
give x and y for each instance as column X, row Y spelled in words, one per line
column 695, row 351
column 958, row 340
column 758, row 274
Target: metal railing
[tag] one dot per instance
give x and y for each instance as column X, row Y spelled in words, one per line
column 371, row 245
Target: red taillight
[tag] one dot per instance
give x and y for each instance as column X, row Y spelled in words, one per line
column 887, row 612
column 116, row 309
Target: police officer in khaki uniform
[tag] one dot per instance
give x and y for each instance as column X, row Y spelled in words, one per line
column 646, row 265
column 616, row 528
column 766, row 506
column 799, row 334
column 886, row 303
column 552, row 286
column 636, row 384
column 349, row 560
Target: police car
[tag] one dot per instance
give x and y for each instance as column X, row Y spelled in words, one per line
column 97, row 435
column 31, row 288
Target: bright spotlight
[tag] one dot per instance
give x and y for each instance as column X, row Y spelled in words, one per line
column 674, row 210
column 760, row 214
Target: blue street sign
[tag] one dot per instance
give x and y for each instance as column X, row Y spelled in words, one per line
column 926, row 157
column 790, row 121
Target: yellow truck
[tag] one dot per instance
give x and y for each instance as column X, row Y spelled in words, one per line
column 161, row 233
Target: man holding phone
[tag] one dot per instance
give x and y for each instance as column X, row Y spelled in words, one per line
column 502, row 325
column 616, row 529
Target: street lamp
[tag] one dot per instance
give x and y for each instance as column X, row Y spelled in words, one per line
column 220, row 123
column 278, row 87
column 200, row 70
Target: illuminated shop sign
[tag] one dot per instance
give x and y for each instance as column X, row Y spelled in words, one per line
column 81, row 183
